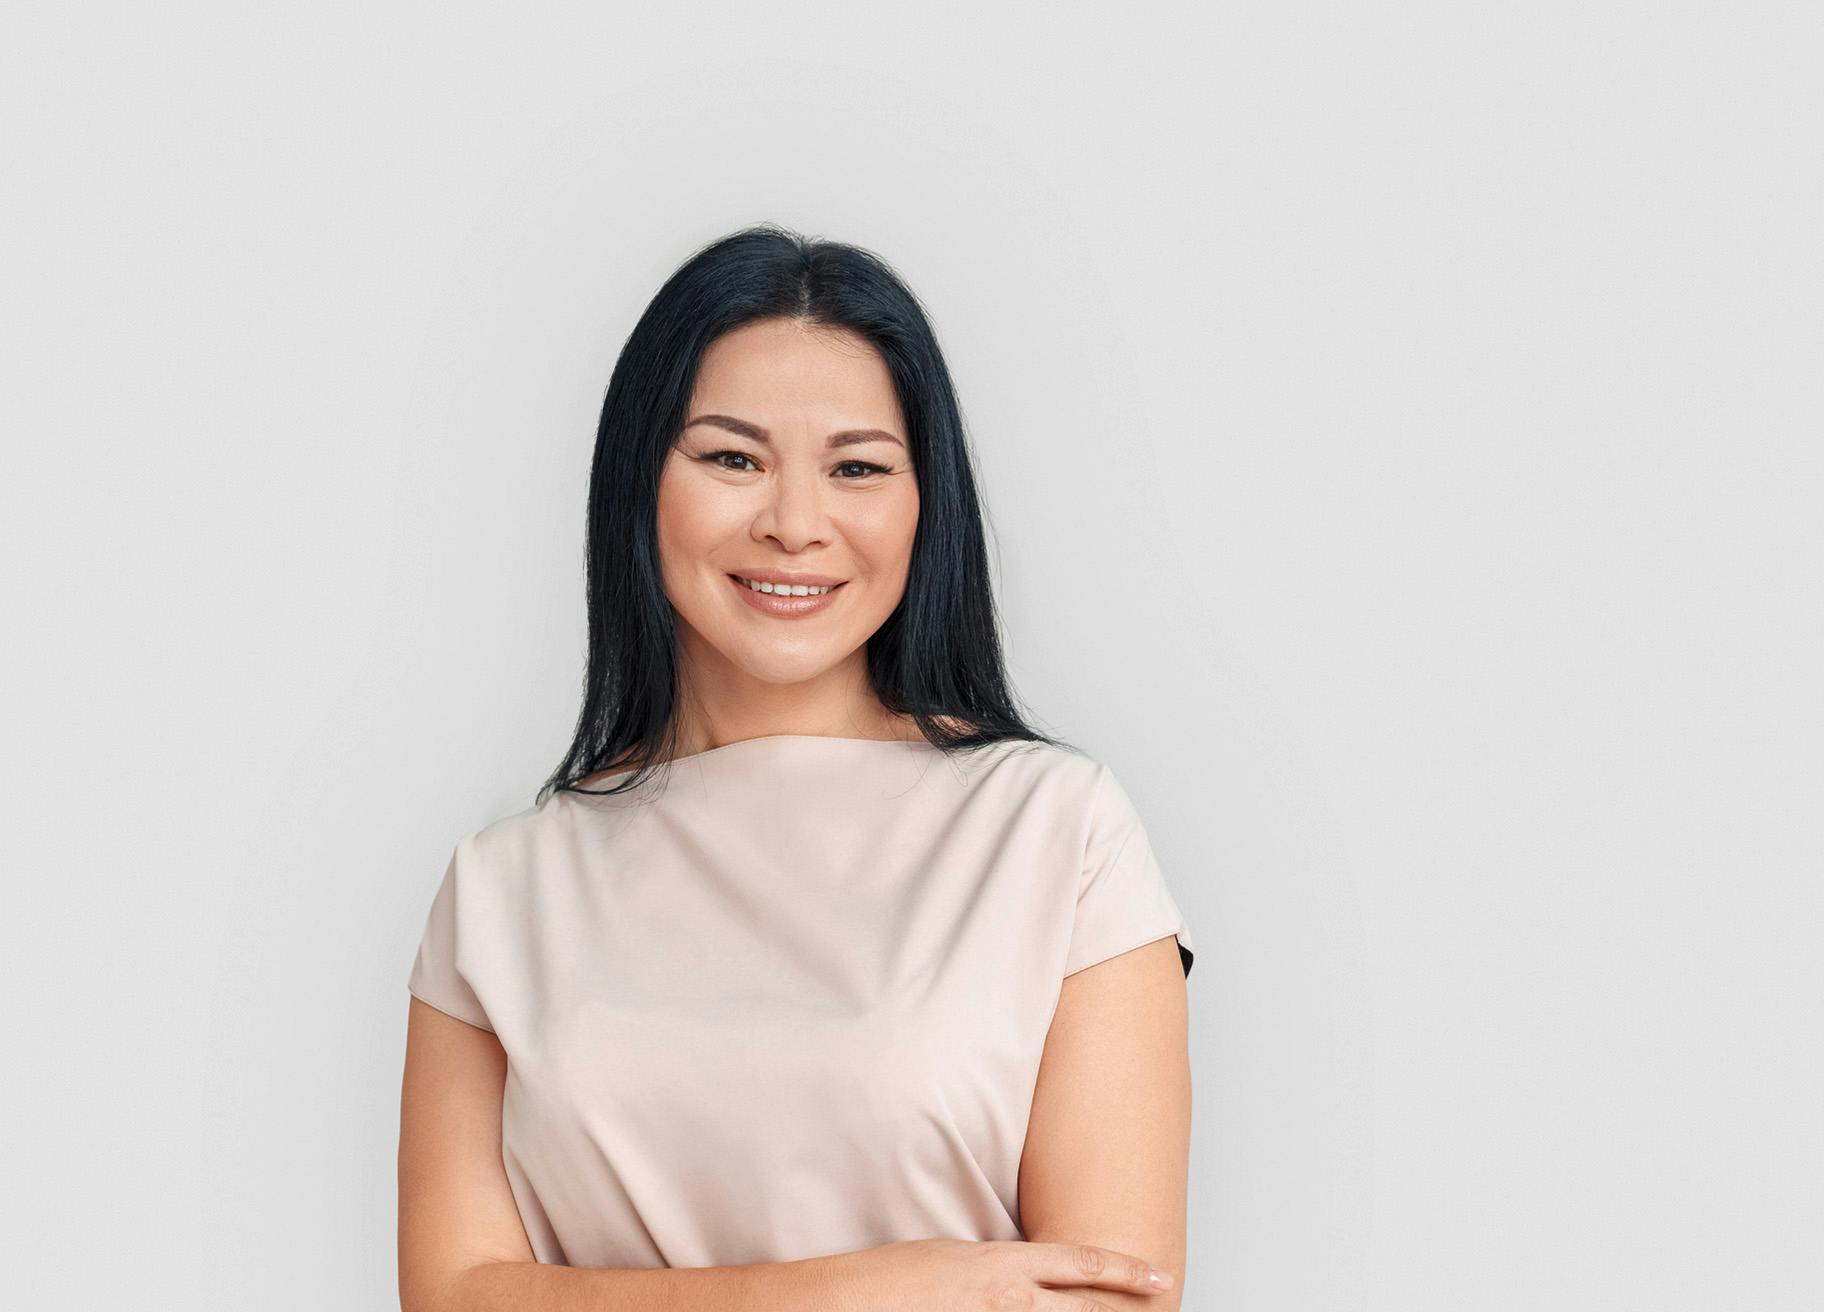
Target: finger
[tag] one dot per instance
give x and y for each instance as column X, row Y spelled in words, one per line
column 1073, row 1265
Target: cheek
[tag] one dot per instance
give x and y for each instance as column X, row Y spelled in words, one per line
column 882, row 534
column 889, row 539
column 690, row 518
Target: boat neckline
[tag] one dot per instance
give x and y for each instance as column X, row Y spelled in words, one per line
column 912, row 743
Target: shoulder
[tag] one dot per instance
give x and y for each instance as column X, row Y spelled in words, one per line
column 1085, row 793
column 502, row 850
column 1035, row 775
column 1052, row 760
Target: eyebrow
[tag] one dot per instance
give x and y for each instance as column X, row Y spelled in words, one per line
column 847, row 437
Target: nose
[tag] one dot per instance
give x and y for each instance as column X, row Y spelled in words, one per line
column 794, row 511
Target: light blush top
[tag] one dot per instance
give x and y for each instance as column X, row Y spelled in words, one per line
column 790, row 1001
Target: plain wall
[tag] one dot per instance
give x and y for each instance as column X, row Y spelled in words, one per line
column 1400, row 430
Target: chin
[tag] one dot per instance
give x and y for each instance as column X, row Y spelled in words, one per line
column 784, row 673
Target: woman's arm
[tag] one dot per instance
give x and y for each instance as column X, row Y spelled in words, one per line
column 462, row 1247
column 543, row 1287
column 1108, row 1145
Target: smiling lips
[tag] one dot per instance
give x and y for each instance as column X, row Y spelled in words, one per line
column 782, row 604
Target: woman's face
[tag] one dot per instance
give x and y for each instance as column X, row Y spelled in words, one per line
column 792, row 461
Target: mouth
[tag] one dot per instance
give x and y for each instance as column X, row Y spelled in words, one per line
column 784, row 604
column 767, row 588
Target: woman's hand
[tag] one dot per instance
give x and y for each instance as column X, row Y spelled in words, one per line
column 960, row 1275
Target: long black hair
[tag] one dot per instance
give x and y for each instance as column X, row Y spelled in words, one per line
column 937, row 657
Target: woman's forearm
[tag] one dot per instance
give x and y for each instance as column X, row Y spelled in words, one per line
column 547, row 1287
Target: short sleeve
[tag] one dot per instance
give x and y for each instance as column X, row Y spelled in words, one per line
column 1123, row 901
column 437, row 974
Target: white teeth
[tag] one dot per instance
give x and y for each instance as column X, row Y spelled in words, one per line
column 783, row 589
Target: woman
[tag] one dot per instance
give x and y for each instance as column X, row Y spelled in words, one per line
column 876, row 1000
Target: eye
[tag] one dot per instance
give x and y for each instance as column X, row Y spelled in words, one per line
column 867, row 468
column 715, row 457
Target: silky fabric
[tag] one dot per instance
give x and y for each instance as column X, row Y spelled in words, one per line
column 791, row 999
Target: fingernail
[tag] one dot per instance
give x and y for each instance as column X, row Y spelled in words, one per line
column 1159, row 1279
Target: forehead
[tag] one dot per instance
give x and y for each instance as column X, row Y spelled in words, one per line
column 776, row 370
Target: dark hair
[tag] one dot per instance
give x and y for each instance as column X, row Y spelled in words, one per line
column 937, row 657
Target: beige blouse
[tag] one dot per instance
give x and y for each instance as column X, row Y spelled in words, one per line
column 791, row 1001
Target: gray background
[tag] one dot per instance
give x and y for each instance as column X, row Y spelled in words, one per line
column 1400, row 429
